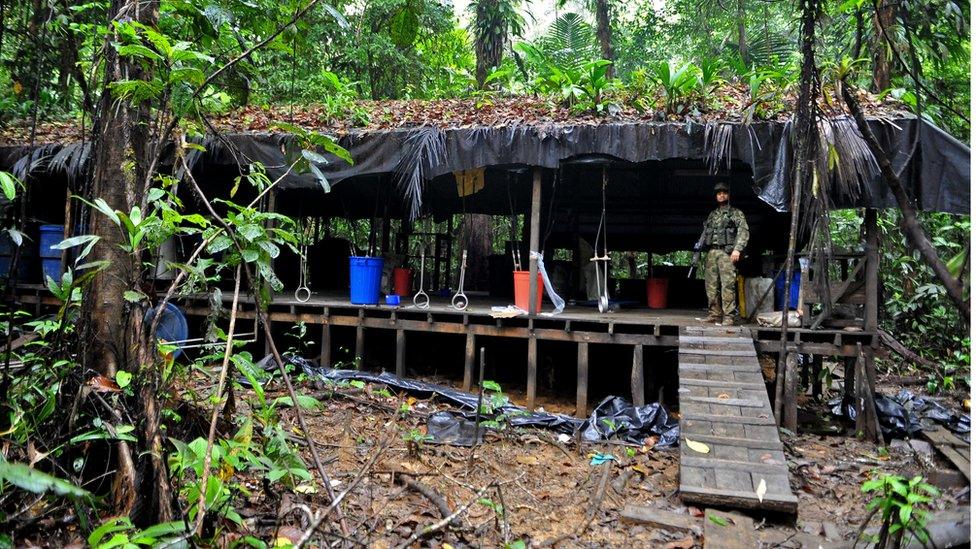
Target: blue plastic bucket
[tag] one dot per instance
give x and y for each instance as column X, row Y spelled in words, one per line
column 50, row 236
column 365, row 274
column 172, row 326
column 780, row 289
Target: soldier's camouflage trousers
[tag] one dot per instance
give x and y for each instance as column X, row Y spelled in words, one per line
column 720, row 283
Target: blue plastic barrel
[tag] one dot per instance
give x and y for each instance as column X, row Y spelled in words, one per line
column 365, row 274
column 780, row 289
column 51, row 267
column 172, row 326
column 50, row 236
column 7, row 251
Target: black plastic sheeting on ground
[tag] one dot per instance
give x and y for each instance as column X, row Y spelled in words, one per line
column 613, row 419
column 906, row 414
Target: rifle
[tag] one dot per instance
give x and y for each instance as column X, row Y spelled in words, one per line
column 698, row 250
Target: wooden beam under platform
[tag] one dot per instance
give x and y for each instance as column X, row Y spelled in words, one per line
column 637, row 328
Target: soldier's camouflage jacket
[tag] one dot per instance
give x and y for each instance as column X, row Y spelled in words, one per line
column 726, row 228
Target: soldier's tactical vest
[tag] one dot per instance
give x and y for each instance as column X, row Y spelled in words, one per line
column 722, row 231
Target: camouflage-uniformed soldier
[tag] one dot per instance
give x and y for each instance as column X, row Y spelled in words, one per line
column 725, row 235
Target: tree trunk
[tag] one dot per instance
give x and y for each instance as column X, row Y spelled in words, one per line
column 883, row 18
column 491, row 34
column 604, row 33
column 115, row 338
column 805, row 144
column 910, row 225
column 477, row 241
column 858, row 34
column 740, row 16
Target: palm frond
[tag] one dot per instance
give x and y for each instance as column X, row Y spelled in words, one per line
column 424, row 149
column 72, row 160
column 848, row 158
column 570, row 41
column 771, row 47
column 718, row 145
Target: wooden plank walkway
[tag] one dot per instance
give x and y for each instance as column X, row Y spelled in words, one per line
column 724, row 405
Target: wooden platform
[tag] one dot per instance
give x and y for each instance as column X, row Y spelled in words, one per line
column 725, row 407
column 583, row 326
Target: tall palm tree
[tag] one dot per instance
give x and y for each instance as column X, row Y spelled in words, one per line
column 494, row 22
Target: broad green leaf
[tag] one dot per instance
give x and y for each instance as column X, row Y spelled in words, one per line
column 490, row 385
column 251, row 232
column 32, row 480
column 133, row 296
column 9, row 184
column 313, row 156
column 152, row 534
column 323, row 181
column 404, row 26
column 110, row 526
column 220, row 244
column 905, row 514
column 74, row 241
column 715, row 519
column 304, row 401
column 123, row 379
column 103, row 207
column 139, row 51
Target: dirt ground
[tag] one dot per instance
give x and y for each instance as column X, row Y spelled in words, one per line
column 526, row 485
column 527, row 488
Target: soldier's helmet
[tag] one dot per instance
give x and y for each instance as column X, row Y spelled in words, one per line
column 721, row 187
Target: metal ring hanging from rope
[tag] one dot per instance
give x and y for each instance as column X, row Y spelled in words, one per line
column 303, row 293
column 603, row 301
column 421, row 299
column 460, row 301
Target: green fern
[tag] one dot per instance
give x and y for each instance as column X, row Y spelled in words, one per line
column 570, row 42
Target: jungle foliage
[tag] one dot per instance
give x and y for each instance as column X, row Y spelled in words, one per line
column 189, row 60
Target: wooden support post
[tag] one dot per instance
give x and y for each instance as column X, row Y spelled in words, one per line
column 789, row 393
column 867, row 415
column 531, row 375
column 582, row 377
column 468, row 362
column 805, row 373
column 325, row 353
column 401, row 353
column 848, row 397
column 872, row 259
column 637, row 376
column 360, row 345
column 534, row 239
column 385, row 238
column 817, row 376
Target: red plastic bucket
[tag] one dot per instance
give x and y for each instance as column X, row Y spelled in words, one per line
column 657, row 293
column 522, row 290
column 402, row 281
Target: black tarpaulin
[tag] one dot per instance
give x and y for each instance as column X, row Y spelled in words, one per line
column 906, row 414
column 613, row 419
column 937, row 174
